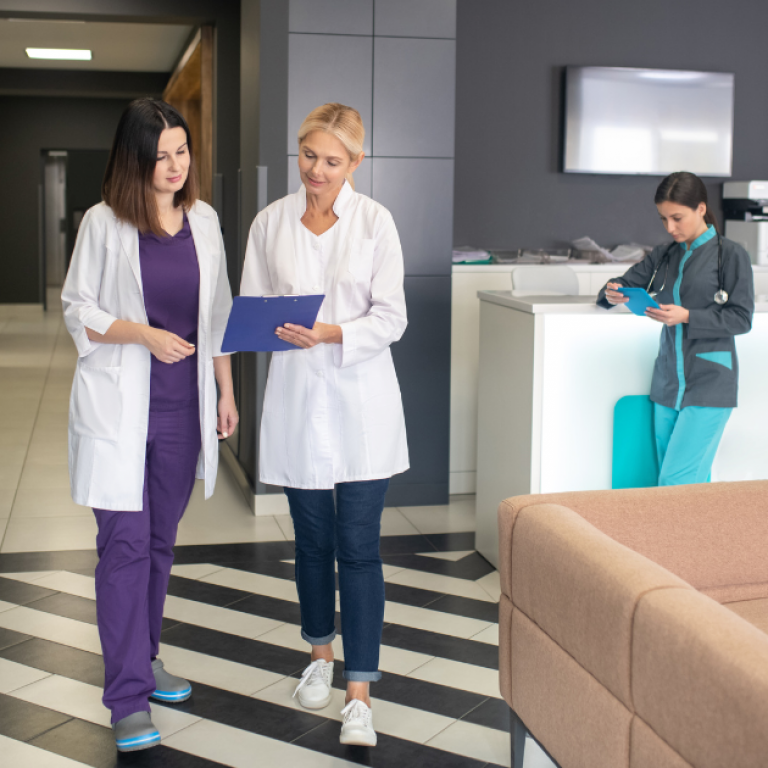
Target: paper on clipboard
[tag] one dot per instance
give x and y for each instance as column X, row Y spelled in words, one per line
column 254, row 319
column 639, row 300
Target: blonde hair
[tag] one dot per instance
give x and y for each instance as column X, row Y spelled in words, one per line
column 340, row 121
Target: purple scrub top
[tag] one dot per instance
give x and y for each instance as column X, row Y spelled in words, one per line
column 170, row 276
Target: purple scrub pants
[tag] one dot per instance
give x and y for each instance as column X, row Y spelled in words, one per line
column 135, row 558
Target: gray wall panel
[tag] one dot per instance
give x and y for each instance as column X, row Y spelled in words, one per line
column 419, row 194
column 324, row 68
column 417, row 18
column 414, row 97
column 362, row 176
column 333, row 17
column 510, row 58
column 422, row 362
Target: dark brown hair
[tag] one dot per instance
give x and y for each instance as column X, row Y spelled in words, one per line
column 685, row 189
column 127, row 186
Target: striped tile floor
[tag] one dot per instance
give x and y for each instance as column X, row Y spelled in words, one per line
column 232, row 628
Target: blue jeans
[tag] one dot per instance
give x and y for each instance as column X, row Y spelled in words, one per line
column 687, row 441
column 344, row 525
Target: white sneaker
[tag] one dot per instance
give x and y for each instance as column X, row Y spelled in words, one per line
column 357, row 725
column 314, row 688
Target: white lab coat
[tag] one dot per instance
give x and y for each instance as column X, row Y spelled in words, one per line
column 333, row 413
column 109, row 405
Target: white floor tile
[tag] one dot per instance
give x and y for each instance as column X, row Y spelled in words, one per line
column 491, row 585
column 446, row 584
column 46, row 500
column 57, row 629
column 476, row 742
column 68, row 696
column 194, row 571
column 490, row 635
column 220, row 619
column 4, row 606
column 456, row 517
column 228, row 531
column 453, row 557
column 286, row 525
column 17, row 753
column 30, row 577
column 9, row 476
column 394, row 523
column 3, row 526
column 70, row 583
column 6, row 501
column 535, row 757
column 254, row 582
column 14, row 676
column 220, row 673
column 433, row 621
column 241, row 749
column 50, row 534
column 52, row 477
column 457, row 674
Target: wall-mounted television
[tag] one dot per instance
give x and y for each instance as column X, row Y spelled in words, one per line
column 648, row 121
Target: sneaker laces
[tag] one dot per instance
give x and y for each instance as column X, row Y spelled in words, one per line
column 312, row 674
column 356, row 710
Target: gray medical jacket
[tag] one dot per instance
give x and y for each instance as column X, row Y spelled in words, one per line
column 697, row 362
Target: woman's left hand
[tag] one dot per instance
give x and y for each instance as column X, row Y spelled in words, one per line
column 320, row 333
column 669, row 314
column 228, row 418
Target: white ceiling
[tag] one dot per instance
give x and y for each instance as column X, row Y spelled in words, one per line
column 116, row 47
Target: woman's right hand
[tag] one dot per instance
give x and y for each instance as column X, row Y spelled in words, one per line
column 167, row 347
column 612, row 294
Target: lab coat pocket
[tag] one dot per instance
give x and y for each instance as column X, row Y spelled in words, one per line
column 361, row 260
column 97, row 403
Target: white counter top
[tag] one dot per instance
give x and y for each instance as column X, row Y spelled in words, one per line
column 563, row 305
column 611, row 268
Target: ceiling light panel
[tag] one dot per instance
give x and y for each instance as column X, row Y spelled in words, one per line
column 59, row 54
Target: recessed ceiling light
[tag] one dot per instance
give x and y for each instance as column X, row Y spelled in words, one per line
column 60, row 54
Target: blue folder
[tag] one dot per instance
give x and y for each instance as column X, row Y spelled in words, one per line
column 639, row 300
column 254, row 320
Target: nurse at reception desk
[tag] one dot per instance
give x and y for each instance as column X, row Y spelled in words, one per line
column 703, row 284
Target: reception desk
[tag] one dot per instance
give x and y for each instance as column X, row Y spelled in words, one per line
column 551, row 370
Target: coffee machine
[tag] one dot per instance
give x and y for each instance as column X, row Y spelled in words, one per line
column 745, row 208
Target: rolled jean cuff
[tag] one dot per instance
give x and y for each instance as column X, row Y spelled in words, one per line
column 362, row 677
column 319, row 640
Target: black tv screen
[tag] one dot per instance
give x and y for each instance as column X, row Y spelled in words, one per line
column 648, row 121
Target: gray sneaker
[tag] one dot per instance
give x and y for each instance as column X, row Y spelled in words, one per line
column 168, row 686
column 135, row 732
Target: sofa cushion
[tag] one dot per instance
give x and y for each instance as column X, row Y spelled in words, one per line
column 581, row 588
column 647, row 750
column 711, row 535
column 700, row 679
column 578, row 721
column 753, row 611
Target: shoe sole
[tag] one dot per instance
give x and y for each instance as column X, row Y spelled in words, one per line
column 356, row 741
column 316, row 704
column 172, row 697
column 127, row 746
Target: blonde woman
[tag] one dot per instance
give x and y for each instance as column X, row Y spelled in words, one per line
column 333, row 431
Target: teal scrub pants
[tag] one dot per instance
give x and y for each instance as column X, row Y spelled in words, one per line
column 686, row 442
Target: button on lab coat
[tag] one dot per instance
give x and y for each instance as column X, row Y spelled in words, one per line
column 109, row 404
column 332, row 413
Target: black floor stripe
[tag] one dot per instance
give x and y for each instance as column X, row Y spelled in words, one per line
column 95, row 745
column 471, row 567
column 9, row 638
column 449, row 542
column 465, row 606
column 58, row 659
column 21, row 593
column 23, row 721
column 70, row 560
column 444, row 646
column 493, row 713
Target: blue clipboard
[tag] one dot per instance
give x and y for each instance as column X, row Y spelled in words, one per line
column 254, row 319
column 639, row 300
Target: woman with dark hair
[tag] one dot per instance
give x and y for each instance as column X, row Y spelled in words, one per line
column 146, row 301
column 703, row 284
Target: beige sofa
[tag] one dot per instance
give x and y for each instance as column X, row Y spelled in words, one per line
column 633, row 626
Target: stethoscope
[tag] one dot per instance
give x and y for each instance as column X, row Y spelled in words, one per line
column 721, row 295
